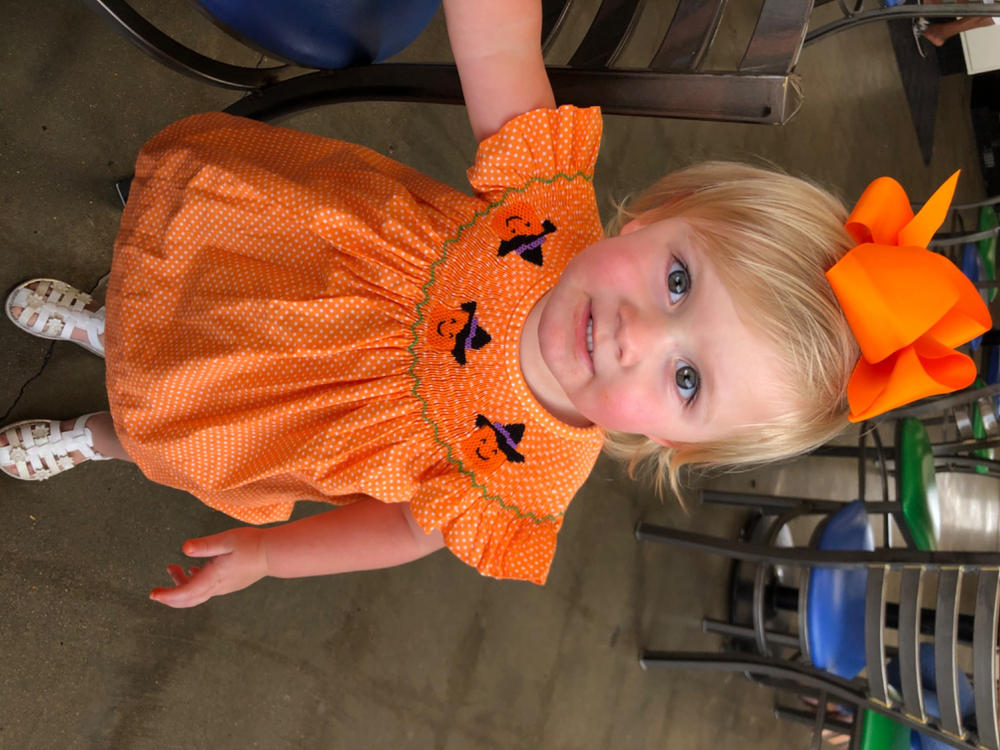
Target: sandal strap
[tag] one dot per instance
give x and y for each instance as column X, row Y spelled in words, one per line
column 60, row 310
column 44, row 446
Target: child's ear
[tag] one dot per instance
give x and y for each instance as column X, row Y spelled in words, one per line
column 663, row 441
column 631, row 226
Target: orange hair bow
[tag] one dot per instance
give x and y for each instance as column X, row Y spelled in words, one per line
column 907, row 306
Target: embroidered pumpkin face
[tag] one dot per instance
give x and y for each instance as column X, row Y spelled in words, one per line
column 456, row 331
column 444, row 325
column 481, row 451
column 491, row 444
column 516, row 219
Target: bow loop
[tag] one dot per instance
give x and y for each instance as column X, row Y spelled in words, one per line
column 921, row 228
column 907, row 306
column 881, row 211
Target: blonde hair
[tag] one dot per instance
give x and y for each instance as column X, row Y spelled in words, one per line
column 771, row 237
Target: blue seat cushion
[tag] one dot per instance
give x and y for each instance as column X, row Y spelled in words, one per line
column 326, row 33
column 970, row 267
column 836, row 601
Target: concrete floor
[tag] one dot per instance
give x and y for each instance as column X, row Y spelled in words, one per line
column 426, row 656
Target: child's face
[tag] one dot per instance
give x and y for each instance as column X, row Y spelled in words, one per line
column 641, row 336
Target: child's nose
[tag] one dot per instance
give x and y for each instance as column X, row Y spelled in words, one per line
column 641, row 333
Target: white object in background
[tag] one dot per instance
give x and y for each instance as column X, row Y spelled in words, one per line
column 970, row 511
column 982, row 49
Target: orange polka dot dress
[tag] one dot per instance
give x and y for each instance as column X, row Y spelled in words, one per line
column 291, row 317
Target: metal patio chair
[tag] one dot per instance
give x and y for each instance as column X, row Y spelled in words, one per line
column 674, row 81
column 786, row 659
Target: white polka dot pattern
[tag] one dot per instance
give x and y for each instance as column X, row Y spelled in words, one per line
column 267, row 322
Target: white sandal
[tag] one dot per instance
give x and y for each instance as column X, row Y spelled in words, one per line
column 61, row 309
column 42, row 445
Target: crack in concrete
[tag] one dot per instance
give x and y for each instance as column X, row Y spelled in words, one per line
column 24, row 386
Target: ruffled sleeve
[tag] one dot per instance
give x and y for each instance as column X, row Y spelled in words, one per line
column 540, row 144
column 509, row 535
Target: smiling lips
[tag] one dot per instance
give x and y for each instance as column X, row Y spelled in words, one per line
column 585, row 339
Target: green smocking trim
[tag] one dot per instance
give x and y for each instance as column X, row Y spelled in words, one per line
column 456, row 462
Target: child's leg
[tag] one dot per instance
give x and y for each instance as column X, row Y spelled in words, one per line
column 105, row 437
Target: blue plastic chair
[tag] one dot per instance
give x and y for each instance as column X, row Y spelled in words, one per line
column 835, row 618
column 835, row 615
column 307, row 35
column 325, row 34
column 835, row 629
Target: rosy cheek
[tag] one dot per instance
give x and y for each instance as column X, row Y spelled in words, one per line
column 622, row 409
column 618, row 272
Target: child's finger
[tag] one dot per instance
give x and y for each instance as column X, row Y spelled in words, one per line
column 175, row 597
column 188, row 593
column 177, row 574
column 208, row 546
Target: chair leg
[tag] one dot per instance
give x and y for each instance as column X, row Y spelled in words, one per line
column 769, row 505
column 817, row 740
column 808, row 718
column 798, row 677
column 743, row 632
column 858, row 734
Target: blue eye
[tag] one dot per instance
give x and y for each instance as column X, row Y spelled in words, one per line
column 678, row 281
column 687, row 380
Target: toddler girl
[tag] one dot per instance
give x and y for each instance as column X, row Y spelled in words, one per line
column 291, row 317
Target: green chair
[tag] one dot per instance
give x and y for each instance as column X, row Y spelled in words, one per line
column 917, row 492
column 879, row 732
column 965, row 426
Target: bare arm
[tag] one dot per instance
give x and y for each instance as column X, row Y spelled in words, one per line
column 498, row 51
column 365, row 535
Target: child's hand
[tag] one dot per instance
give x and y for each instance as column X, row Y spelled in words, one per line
column 237, row 560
